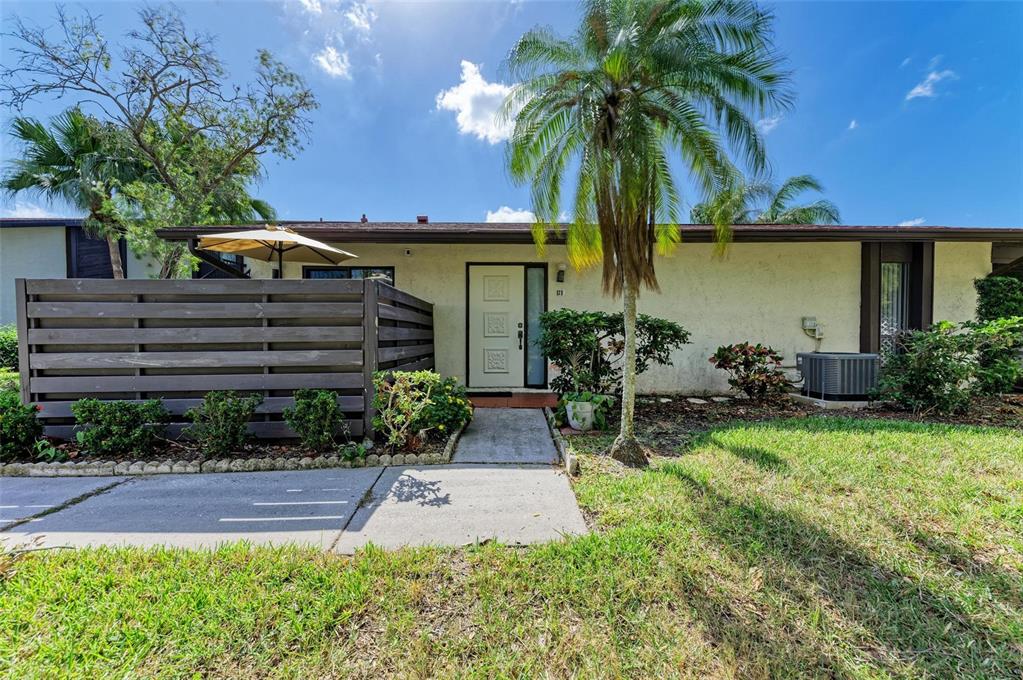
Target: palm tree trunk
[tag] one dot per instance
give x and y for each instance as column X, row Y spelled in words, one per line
column 116, row 264
column 626, row 447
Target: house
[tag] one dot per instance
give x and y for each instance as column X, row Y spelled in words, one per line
column 56, row 248
column 797, row 288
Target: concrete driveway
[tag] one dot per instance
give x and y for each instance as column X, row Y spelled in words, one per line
column 443, row 505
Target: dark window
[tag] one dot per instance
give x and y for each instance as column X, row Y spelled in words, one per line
column 385, row 274
column 88, row 257
column 897, row 284
column 208, row 271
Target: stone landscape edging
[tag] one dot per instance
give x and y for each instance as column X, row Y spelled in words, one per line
column 570, row 461
column 104, row 468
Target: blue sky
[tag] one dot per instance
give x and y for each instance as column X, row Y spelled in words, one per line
column 907, row 112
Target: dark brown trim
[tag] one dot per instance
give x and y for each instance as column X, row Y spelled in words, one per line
column 474, row 232
column 525, row 324
column 920, row 258
column 870, row 297
column 921, row 300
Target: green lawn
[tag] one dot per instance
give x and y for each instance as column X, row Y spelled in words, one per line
column 811, row 547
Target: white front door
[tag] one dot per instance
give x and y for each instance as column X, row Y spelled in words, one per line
column 496, row 321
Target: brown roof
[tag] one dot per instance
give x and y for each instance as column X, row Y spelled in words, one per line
column 519, row 232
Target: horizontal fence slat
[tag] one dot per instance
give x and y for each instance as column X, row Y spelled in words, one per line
column 62, row 409
column 399, row 353
column 194, row 286
column 421, row 365
column 393, row 333
column 273, row 430
column 386, row 292
column 142, row 336
column 346, row 358
column 193, row 310
column 397, row 314
column 92, row 385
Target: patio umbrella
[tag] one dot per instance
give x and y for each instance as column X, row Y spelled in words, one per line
column 272, row 241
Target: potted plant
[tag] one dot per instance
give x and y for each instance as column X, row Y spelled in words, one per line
column 586, row 410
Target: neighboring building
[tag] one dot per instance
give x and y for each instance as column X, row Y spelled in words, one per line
column 859, row 285
column 55, row 248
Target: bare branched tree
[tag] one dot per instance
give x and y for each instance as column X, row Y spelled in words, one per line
column 164, row 77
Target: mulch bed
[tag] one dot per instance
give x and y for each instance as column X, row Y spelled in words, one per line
column 668, row 423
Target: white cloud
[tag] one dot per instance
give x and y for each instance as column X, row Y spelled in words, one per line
column 334, row 63
column 23, row 210
column 506, row 214
column 361, row 16
column 912, row 223
column 765, row 125
column 905, row 62
column 476, row 103
column 933, row 63
column 336, row 34
column 853, row 124
column 925, row 88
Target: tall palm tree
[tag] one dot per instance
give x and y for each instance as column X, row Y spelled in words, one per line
column 638, row 83
column 79, row 161
column 761, row 202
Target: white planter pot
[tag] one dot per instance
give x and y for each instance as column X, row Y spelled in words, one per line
column 580, row 415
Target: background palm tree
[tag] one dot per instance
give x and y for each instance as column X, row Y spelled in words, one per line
column 79, row 161
column 761, row 202
column 638, row 83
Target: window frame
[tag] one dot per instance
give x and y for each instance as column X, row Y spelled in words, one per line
column 306, row 269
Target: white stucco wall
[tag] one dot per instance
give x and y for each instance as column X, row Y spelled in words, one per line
column 956, row 267
column 31, row 253
column 758, row 292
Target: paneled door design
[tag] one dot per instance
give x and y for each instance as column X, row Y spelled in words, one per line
column 496, row 326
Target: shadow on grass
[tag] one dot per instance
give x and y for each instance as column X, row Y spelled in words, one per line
column 759, row 456
column 910, row 627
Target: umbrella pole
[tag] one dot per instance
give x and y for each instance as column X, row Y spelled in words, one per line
column 280, row 261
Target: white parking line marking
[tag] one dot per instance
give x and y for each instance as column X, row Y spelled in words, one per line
column 50, row 505
column 292, row 490
column 332, row 489
column 305, row 503
column 7, row 507
column 278, row 519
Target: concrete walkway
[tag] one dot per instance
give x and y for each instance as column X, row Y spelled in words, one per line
column 327, row 509
column 461, row 504
column 507, row 435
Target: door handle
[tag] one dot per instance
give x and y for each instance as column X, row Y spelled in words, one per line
column 520, row 338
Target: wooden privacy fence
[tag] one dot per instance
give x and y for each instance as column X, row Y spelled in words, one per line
column 178, row 339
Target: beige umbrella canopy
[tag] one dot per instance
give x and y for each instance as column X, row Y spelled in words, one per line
column 274, row 242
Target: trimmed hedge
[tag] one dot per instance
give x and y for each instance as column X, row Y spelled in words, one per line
column 999, row 297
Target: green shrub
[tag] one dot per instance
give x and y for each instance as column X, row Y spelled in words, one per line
column 588, row 347
column 999, row 297
column 317, row 419
column 19, row 428
column 220, row 422
column 943, row 368
column 9, row 348
column 998, row 344
column 754, row 369
column 448, row 409
column 119, row 428
column 411, row 405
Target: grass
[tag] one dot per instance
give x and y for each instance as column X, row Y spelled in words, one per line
column 798, row 548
